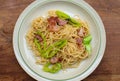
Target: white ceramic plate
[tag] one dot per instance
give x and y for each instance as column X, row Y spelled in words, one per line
column 73, row 7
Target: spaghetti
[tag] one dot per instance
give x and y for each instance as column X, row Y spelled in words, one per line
column 59, row 40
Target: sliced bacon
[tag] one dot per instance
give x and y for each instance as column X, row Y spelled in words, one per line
column 53, row 28
column 54, row 60
column 60, row 59
column 52, row 24
column 53, row 21
column 81, row 32
column 38, row 37
column 79, row 41
column 61, row 22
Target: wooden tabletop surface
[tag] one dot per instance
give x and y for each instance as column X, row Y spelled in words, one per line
column 109, row 68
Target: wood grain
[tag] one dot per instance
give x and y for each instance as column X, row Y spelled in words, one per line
column 109, row 68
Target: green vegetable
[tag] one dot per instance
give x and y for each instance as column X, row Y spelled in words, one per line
column 88, row 48
column 86, row 42
column 49, row 52
column 87, row 39
column 62, row 15
column 54, row 68
column 52, row 49
column 37, row 45
column 73, row 22
column 65, row 16
column 43, row 37
column 62, row 43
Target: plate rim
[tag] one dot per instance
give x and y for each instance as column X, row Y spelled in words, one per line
column 28, row 9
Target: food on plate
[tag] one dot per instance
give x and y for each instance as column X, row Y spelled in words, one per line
column 59, row 41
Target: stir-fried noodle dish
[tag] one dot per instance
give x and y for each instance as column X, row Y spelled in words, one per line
column 59, row 41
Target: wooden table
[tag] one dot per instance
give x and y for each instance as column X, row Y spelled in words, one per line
column 109, row 68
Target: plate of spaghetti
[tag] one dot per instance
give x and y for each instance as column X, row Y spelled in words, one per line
column 59, row 40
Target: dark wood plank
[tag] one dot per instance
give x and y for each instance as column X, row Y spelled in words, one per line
column 109, row 68
column 10, row 70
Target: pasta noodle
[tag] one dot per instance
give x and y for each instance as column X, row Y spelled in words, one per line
column 71, row 54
